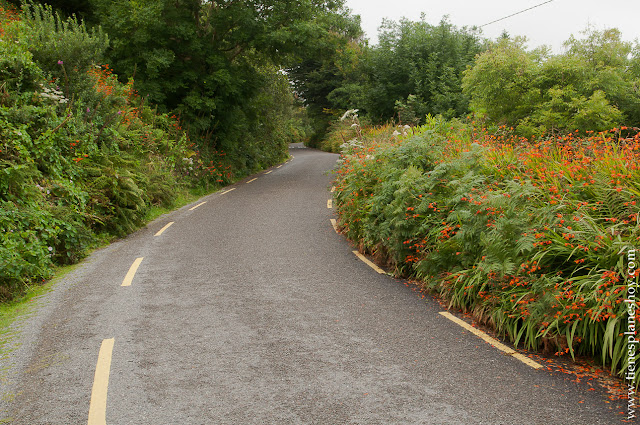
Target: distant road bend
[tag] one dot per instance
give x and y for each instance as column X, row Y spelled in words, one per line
column 246, row 307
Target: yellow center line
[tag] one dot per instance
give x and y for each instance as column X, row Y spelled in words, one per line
column 252, row 180
column 98, row 403
column 369, row 263
column 329, row 204
column 334, row 224
column 132, row 272
column 199, row 205
column 500, row 346
column 269, row 172
column 164, row 228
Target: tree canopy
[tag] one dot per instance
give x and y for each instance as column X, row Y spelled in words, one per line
column 592, row 86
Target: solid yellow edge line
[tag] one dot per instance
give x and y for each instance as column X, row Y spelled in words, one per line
column 329, row 203
column 252, row 180
column 132, row 272
column 159, row 232
column 478, row 332
column 227, row 191
column 334, row 224
column 526, row 360
column 200, row 204
column 500, row 346
column 368, row 263
column 98, row 403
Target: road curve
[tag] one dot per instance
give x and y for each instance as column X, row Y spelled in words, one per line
column 250, row 309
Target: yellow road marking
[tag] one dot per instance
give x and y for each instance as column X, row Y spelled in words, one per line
column 333, row 189
column 526, row 360
column 329, row 203
column 369, row 263
column 269, row 172
column 334, row 224
column 164, row 228
column 200, row 204
column 500, row 346
column 132, row 272
column 279, row 165
column 252, row 180
column 98, row 403
column 227, row 191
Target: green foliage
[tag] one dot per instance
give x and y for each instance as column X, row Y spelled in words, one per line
column 327, row 75
column 527, row 237
column 80, row 160
column 419, row 60
column 214, row 65
column 62, row 48
column 500, row 82
column 590, row 87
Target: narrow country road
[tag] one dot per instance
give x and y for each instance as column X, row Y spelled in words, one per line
column 250, row 309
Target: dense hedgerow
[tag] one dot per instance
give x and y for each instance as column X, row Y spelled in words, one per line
column 81, row 154
column 529, row 236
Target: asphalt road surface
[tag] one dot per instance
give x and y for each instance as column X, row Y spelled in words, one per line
column 251, row 309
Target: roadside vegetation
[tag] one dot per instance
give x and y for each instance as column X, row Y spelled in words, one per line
column 132, row 109
column 516, row 201
column 529, row 237
column 82, row 157
column 501, row 177
column 520, row 213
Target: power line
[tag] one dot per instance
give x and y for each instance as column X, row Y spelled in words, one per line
column 514, row 14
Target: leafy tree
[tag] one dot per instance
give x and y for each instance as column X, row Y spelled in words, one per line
column 608, row 66
column 206, row 59
column 592, row 86
column 327, row 75
column 415, row 58
column 500, row 84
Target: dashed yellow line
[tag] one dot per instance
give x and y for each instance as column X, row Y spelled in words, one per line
column 333, row 189
column 280, row 165
column 227, row 191
column 132, row 272
column 334, row 224
column 369, row 263
column 161, row 231
column 269, row 172
column 500, row 346
column 329, row 203
column 199, row 205
column 252, row 180
column 98, row 403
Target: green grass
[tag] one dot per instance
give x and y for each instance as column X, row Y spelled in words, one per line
column 23, row 304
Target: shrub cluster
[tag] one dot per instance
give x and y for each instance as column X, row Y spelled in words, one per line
column 529, row 236
column 82, row 156
column 351, row 130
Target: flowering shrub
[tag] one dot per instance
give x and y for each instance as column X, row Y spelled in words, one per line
column 81, row 154
column 529, row 236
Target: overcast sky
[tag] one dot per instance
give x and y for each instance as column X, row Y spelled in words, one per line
column 549, row 24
